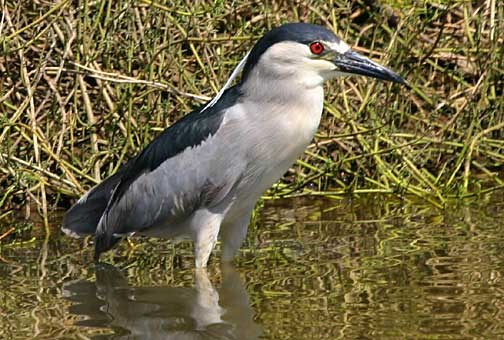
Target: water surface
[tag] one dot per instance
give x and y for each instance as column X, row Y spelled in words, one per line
column 371, row 268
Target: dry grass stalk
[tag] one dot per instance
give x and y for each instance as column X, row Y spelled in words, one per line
column 83, row 87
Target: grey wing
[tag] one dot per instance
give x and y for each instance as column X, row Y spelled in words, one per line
column 83, row 217
column 198, row 177
column 163, row 183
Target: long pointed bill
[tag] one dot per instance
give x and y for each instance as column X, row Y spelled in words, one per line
column 353, row 63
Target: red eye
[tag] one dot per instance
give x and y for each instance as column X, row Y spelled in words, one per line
column 316, row 47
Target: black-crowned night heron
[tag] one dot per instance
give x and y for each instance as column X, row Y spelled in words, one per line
column 204, row 174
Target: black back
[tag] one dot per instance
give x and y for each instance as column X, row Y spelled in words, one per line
column 189, row 131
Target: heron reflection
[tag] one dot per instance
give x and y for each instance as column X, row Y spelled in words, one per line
column 199, row 312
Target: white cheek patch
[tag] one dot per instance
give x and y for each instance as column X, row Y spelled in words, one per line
column 339, row 46
column 287, row 52
column 295, row 60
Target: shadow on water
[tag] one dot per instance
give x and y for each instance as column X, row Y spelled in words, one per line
column 310, row 269
column 199, row 312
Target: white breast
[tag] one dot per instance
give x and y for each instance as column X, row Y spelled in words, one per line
column 272, row 135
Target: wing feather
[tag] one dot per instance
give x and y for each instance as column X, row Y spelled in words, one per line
column 150, row 184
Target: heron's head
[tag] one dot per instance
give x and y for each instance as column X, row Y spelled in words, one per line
column 308, row 54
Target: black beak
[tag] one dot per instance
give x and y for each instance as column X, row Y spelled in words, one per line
column 353, row 63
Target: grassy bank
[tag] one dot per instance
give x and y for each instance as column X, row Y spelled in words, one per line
column 84, row 85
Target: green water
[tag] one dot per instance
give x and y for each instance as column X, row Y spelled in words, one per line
column 310, row 269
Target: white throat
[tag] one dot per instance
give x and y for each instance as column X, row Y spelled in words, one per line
column 284, row 112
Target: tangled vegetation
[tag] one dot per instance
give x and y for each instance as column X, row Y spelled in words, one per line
column 85, row 85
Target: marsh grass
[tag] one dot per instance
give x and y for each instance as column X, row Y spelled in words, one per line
column 85, row 85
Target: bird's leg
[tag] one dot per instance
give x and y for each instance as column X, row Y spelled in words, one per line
column 232, row 236
column 205, row 227
column 208, row 311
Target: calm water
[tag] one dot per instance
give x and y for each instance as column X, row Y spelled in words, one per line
column 310, row 269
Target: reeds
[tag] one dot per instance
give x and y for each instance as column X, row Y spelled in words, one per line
column 84, row 85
